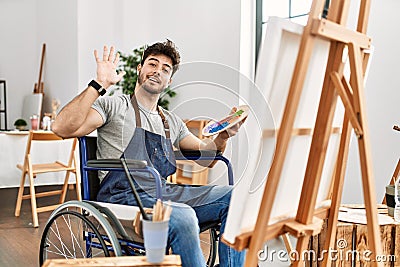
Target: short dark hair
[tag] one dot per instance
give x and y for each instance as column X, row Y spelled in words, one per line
column 166, row 48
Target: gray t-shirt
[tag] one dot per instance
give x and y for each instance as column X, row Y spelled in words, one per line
column 119, row 125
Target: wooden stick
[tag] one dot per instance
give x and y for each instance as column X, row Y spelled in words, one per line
column 288, row 244
column 269, row 133
column 167, row 211
column 357, row 83
column 39, row 86
column 337, row 191
column 346, row 103
column 157, row 212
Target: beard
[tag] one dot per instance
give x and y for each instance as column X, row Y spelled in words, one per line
column 155, row 89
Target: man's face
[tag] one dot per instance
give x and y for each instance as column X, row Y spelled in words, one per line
column 155, row 74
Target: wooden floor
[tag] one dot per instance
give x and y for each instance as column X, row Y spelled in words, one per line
column 19, row 241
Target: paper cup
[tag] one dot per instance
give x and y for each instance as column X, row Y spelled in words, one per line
column 155, row 235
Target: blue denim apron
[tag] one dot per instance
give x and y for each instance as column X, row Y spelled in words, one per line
column 157, row 150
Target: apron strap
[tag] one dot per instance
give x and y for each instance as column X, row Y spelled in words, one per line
column 137, row 113
column 139, row 121
column 165, row 122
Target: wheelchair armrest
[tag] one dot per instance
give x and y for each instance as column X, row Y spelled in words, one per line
column 116, row 163
column 196, row 154
column 131, row 164
column 205, row 155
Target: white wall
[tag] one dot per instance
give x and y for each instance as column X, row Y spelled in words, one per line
column 99, row 23
column 19, row 52
column 24, row 26
column 57, row 27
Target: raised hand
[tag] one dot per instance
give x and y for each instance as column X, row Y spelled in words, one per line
column 107, row 67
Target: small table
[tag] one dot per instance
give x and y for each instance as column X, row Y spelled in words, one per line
column 352, row 242
column 125, row 261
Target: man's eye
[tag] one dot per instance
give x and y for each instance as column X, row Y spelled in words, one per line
column 152, row 64
column 166, row 71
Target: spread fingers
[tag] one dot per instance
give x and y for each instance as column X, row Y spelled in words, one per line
column 105, row 53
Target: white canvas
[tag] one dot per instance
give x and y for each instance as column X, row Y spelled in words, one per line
column 32, row 106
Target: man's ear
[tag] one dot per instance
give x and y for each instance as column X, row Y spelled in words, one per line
column 139, row 67
column 170, row 81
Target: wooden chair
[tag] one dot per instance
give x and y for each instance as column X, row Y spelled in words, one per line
column 198, row 173
column 32, row 170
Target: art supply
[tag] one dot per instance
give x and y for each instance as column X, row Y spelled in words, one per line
column 215, row 127
column 38, row 88
column 161, row 212
column 155, row 232
column 167, row 211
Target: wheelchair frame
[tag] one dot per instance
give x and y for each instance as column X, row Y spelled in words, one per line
column 94, row 229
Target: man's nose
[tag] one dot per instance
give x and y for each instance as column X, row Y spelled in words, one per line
column 157, row 71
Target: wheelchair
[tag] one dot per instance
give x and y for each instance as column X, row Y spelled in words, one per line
column 88, row 229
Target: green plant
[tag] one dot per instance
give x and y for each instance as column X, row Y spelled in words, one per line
column 20, row 122
column 129, row 63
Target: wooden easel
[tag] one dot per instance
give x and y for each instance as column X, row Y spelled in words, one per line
column 396, row 172
column 39, row 85
column 308, row 221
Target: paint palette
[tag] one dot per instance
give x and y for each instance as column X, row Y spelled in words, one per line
column 215, row 127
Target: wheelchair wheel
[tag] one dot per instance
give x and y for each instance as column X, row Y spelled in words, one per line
column 77, row 230
column 209, row 245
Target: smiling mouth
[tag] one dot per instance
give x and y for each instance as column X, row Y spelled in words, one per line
column 153, row 79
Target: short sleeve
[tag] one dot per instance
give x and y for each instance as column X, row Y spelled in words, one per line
column 182, row 132
column 99, row 105
column 110, row 106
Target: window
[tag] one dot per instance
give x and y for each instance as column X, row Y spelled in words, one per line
column 295, row 10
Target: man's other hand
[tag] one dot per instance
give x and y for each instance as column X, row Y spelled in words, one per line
column 232, row 131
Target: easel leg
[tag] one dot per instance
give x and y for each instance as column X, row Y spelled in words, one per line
column 364, row 153
column 337, row 189
column 301, row 247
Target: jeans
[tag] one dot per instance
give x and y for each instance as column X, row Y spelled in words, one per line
column 184, row 228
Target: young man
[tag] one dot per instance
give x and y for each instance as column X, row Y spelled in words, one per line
column 135, row 127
